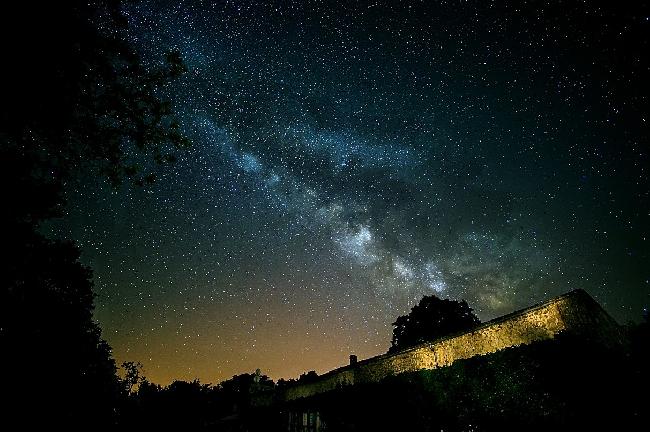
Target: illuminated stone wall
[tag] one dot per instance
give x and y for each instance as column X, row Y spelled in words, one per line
column 575, row 313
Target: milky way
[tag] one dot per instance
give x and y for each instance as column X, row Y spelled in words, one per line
column 349, row 159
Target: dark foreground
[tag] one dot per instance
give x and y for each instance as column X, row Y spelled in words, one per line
column 564, row 384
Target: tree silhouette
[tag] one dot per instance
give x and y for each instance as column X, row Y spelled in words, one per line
column 430, row 319
column 132, row 376
column 307, row 377
column 59, row 370
column 75, row 97
column 76, row 93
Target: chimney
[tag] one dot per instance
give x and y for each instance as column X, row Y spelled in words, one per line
column 353, row 359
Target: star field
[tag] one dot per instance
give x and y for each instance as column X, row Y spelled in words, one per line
column 349, row 158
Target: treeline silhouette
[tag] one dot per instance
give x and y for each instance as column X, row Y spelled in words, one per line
column 249, row 401
column 569, row 383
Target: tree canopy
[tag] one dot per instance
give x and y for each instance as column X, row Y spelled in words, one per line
column 76, row 96
column 430, row 319
column 76, row 93
column 59, row 369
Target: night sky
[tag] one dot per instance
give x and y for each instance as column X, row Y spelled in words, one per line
column 348, row 159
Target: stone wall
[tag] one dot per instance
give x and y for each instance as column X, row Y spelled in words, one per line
column 575, row 312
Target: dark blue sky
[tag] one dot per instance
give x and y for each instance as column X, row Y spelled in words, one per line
column 349, row 158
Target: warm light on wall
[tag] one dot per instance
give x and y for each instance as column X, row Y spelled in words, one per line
column 567, row 313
